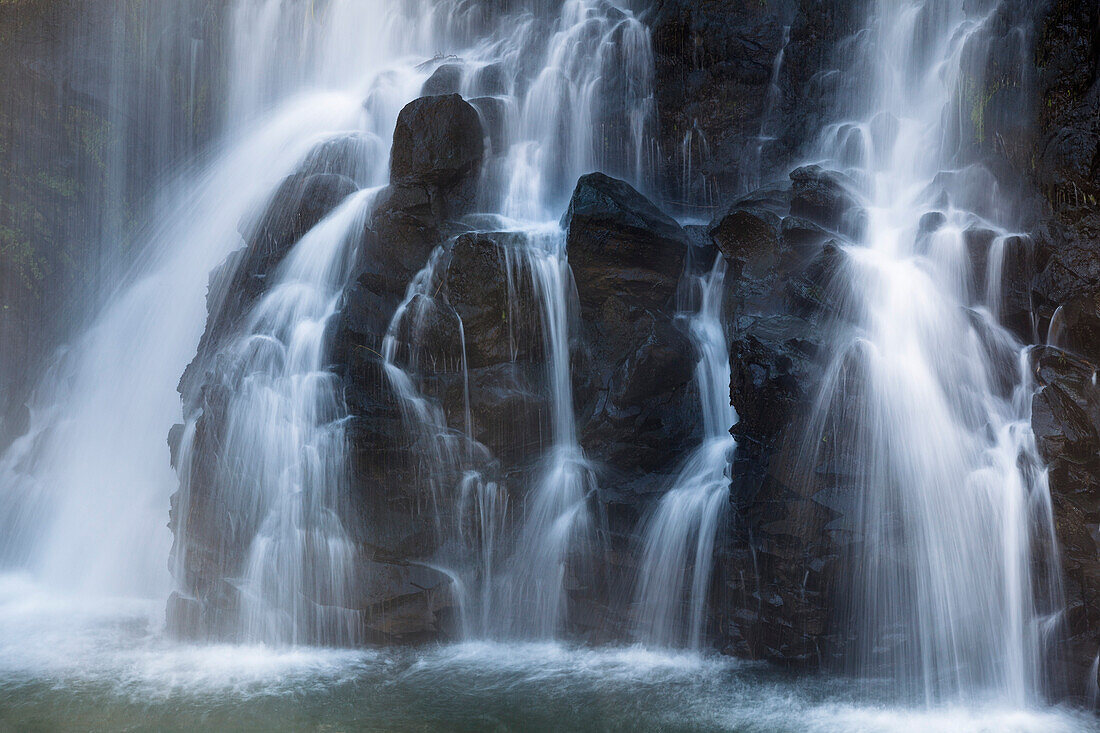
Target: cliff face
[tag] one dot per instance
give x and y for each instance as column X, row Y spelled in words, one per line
column 740, row 90
column 1034, row 123
column 1064, row 165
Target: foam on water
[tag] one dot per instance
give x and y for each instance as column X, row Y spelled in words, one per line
column 106, row 665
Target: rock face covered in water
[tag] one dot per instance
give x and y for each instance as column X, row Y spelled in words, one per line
column 445, row 298
column 435, row 164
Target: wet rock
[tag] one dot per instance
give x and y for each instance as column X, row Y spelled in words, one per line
column 509, row 411
column 714, row 63
column 747, row 234
column 299, row 203
column 490, row 290
column 447, row 79
column 352, row 156
column 802, row 235
column 1066, row 421
column 1081, row 325
column 1018, row 299
column 438, row 147
column 621, row 245
column 406, row 603
column 491, row 80
column 438, row 144
column 825, row 198
column 931, row 222
column 777, row 567
column 978, row 241
column 663, row 360
column 494, row 118
column 632, row 363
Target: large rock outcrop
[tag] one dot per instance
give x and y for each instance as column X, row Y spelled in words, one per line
column 777, row 568
column 435, row 162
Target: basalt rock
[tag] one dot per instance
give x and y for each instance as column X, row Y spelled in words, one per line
column 621, row 245
column 437, row 152
column 1066, row 420
column 776, row 570
column 447, row 79
column 635, row 362
column 438, row 149
column 636, row 403
column 438, row 146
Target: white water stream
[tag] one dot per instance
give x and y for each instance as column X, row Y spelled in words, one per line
column 953, row 593
column 946, row 596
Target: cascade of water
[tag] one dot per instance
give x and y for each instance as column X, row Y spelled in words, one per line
column 573, row 85
column 558, row 521
column 678, row 541
column 283, row 460
column 925, row 411
column 89, row 484
column 590, row 85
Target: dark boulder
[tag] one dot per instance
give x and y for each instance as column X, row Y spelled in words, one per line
column 438, row 144
column 747, row 234
column 620, row 244
column 1066, row 421
column 438, row 147
column 632, row 362
column 826, row 198
column 447, row 79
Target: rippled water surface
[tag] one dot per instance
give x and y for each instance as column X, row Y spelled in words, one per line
column 87, row 665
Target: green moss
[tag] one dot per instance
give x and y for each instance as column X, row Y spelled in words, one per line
column 63, row 186
column 18, row 254
column 979, row 103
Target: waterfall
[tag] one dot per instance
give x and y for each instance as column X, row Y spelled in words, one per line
column 89, row 483
column 679, row 540
column 284, row 460
column 558, row 125
column 925, row 410
column 558, row 521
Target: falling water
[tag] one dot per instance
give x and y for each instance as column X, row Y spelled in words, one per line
column 284, row 459
column 558, row 520
column 89, row 483
column 926, row 406
column 566, row 121
column 926, row 402
column 678, row 542
column 753, row 169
